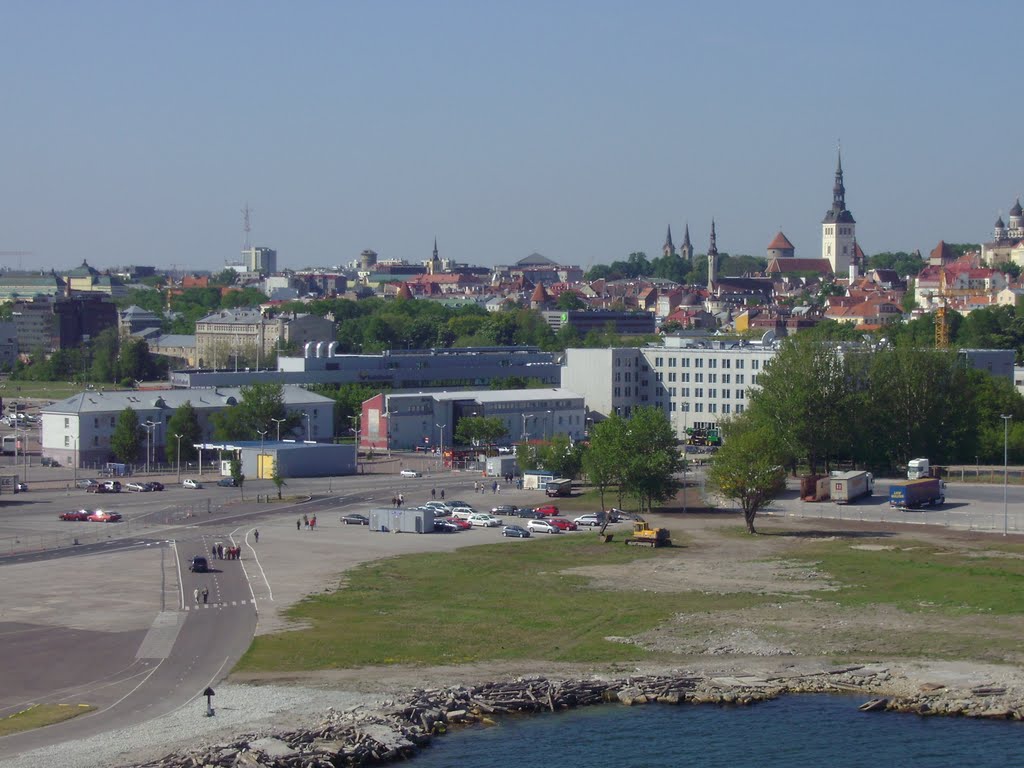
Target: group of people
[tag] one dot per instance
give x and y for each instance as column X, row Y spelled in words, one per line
column 433, row 494
column 204, row 593
column 307, row 522
column 399, row 500
column 226, row 553
column 481, row 487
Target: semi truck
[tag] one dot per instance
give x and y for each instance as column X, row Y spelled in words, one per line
column 918, row 468
column 845, row 487
column 913, row 494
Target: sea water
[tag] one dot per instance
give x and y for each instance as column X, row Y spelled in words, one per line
column 796, row 731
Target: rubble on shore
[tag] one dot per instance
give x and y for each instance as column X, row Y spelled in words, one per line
column 359, row 736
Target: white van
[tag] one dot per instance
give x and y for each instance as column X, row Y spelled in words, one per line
column 464, row 513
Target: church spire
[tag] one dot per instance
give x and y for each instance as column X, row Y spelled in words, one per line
column 669, row 248
column 713, row 248
column 838, row 190
column 686, row 249
column 712, row 258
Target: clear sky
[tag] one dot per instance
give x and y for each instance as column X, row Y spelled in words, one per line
column 135, row 132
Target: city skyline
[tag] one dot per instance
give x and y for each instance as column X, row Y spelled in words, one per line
column 137, row 133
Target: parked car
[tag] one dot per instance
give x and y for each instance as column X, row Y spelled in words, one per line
column 112, row 486
column 21, row 487
column 354, row 518
column 46, row 461
column 457, row 522
column 505, row 509
column 453, row 503
column 563, row 523
column 80, row 515
column 157, row 486
column 439, row 507
column 96, row 488
column 199, row 564
column 103, row 516
column 410, row 473
column 86, row 483
column 483, row 520
column 591, row 519
column 529, row 512
column 227, row 482
column 515, row 531
column 190, row 483
column 548, row 509
column 137, row 487
column 445, row 525
column 464, row 513
column 542, row 526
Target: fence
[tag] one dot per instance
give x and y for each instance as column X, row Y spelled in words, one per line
column 965, row 519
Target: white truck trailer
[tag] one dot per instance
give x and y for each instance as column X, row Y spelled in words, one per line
column 845, row 487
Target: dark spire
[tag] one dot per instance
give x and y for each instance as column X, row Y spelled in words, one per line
column 713, row 248
column 668, row 238
column 686, row 235
column 838, row 190
column 435, row 249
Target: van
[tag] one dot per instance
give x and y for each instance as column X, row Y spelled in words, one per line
column 463, row 513
column 112, row 486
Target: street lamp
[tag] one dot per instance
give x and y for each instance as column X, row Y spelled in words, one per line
column 308, row 436
column 356, row 418
column 441, row 427
column 279, row 422
column 259, row 462
column 526, row 435
column 549, row 433
column 1006, row 444
column 177, row 455
column 148, row 426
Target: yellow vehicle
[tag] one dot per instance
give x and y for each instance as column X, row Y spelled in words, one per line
column 645, row 536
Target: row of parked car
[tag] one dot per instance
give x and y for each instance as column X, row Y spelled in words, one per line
column 455, row 515
column 114, row 486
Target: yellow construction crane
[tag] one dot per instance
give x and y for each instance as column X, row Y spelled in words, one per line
column 941, row 318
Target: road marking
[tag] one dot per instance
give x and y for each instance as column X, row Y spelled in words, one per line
column 177, row 562
column 160, row 639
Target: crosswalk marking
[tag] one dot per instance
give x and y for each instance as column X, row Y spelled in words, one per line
column 233, row 603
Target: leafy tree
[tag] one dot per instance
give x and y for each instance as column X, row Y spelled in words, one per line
column 278, row 480
column 237, row 476
column 560, row 456
column 903, row 263
column 260, row 404
column 526, row 457
column 126, row 440
column 185, row 422
column 570, row 300
column 650, row 457
column 225, row 277
column 748, row 467
column 474, row 430
column 104, row 356
column 1009, row 268
column 602, row 460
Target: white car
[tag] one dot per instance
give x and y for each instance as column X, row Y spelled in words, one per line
column 484, row 520
column 410, row 473
column 541, row 526
column 135, row 487
column 592, row 519
column 464, row 513
column 190, row 483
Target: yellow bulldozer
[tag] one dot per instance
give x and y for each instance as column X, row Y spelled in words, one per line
column 645, row 536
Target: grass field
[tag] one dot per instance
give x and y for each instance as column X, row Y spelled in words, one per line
column 39, row 715
column 45, row 390
column 508, row 602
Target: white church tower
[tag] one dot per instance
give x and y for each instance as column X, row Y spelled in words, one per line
column 838, row 229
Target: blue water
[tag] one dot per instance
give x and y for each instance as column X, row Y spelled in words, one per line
column 793, row 731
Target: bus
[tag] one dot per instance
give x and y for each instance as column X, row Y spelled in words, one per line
column 8, row 445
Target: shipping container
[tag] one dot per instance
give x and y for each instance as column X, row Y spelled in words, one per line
column 399, row 520
column 911, row 494
column 845, row 487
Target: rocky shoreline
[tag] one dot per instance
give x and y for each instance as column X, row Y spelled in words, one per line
column 359, row 736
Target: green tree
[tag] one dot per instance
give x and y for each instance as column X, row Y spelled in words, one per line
column 570, row 300
column 747, row 468
column 125, row 442
column 602, row 460
column 650, row 457
column 237, row 476
column 104, row 356
column 259, row 406
column 185, row 422
column 476, row 430
column 560, row 456
column 278, row 479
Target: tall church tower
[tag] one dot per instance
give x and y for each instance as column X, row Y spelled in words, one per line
column 668, row 249
column 686, row 249
column 712, row 258
column 838, row 228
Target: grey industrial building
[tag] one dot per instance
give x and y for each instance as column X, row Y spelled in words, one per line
column 292, row 458
column 424, row 420
column 420, row 369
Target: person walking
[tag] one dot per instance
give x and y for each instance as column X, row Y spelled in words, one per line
column 206, row 595
column 401, row 499
column 442, row 494
column 433, row 493
column 298, row 525
column 195, row 594
column 256, row 535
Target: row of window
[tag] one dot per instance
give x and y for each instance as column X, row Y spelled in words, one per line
column 698, row 378
column 699, row 408
column 684, row 362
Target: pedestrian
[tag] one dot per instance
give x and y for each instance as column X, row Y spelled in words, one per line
column 298, row 524
column 394, row 501
column 442, row 494
column 195, row 594
column 305, row 521
column 206, row 595
column 312, row 522
column 497, row 488
column 494, row 487
column 433, row 493
column 256, row 535
column 401, row 499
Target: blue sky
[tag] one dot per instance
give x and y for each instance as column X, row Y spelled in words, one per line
column 135, row 132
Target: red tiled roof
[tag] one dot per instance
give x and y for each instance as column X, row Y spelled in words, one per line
column 781, row 242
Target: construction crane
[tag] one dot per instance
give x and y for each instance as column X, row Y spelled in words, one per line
column 19, row 254
column 941, row 314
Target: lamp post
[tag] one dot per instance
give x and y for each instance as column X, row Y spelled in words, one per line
column 76, row 461
column 148, row 426
column 355, row 418
column 526, row 435
column 259, row 462
column 549, row 432
column 279, row 422
column 177, row 456
column 1006, row 453
column 308, row 435
column 441, row 427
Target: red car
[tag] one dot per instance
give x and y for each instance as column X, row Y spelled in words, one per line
column 462, row 524
column 563, row 523
column 79, row 516
column 547, row 509
column 102, row 516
